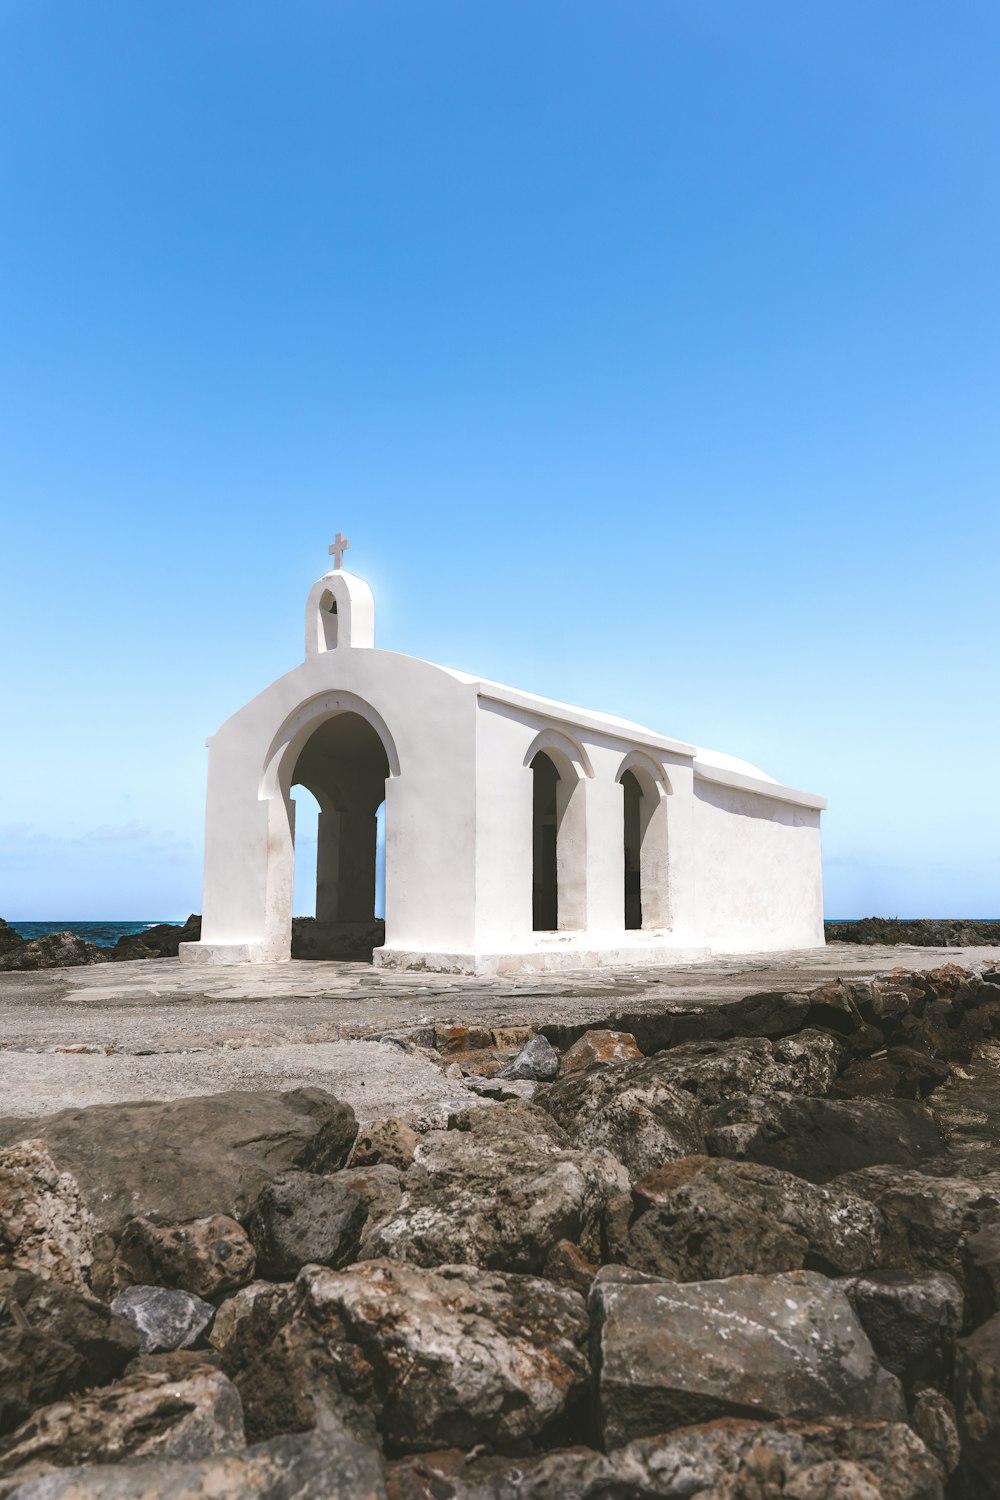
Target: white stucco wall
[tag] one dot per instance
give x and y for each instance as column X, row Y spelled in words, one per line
column 758, row 875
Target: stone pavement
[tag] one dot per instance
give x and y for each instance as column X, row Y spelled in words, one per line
column 157, row 1029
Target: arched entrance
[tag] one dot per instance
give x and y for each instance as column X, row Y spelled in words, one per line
column 558, row 834
column 645, row 791
column 344, row 765
column 544, row 871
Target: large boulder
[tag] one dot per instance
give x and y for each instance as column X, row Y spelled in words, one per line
column 141, row 1415
column 302, row 1218
column 160, row 941
column 308, row 1466
column 982, row 1271
column 929, row 1216
column 186, row 1158
column 501, row 1194
column 653, row 1110
column 730, row 1459
column 45, row 1226
column 452, row 1356
column 912, row 1320
column 977, row 1402
column 822, row 1138
column 788, row 1345
column 702, row 1218
column 205, row 1256
column 53, row 1341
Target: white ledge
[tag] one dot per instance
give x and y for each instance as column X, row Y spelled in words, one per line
column 771, row 789
column 547, row 710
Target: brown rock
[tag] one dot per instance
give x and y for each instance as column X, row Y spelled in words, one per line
column 928, row 1217
column 390, row 1142
column 702, row 1218
column 500, row 1195
column 730, row 1459
column 451, row 1356
column 54, row 1340
column 143, row 1414
column 308, row 1466
column 977, row 1404
column 45, row 1226
column 186, row 1158
column 236, row 1309
column 205, row 1256
column 599, row 1047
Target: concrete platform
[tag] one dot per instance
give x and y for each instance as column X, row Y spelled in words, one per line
column 160, row 1029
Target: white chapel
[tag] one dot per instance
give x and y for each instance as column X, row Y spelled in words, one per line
column 521, row 834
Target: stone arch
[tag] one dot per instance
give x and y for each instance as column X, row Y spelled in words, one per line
column 560, row 769
column 559, row 747
column 645, row 793
column 352, row 759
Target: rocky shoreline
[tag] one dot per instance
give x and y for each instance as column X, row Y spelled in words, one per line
column 732, row 1254
column 956, row 932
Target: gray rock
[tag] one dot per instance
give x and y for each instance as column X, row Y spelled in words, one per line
column 233, row 1311
column 380, row 1189
column 781, row 1346
column 912, row 1321
column 652, row 1110
column 186, row 1158
column 537, row 1061
column 164, row 1318
column 303, row 1218
column 731, row 1460
column 928, row 1217
column 702, row 1219
column 54, row 1340
column 189, row 1417
column 306, row 1466
column 977, row 1405
column 501, row 1195
column 451, row 1356
column 820, row 1139
column 982, row 1272
column 932, row 1418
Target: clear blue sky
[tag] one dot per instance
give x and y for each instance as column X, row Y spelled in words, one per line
column 648, row 352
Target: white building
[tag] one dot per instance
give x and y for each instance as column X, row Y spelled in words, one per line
column 521, row 833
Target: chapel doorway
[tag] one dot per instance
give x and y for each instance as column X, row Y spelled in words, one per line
column 545, row 870
column 633, row 851
column 645, row 804
column 558, row 843
column 344, row 766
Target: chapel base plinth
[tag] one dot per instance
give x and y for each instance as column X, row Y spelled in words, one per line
column 563, row 954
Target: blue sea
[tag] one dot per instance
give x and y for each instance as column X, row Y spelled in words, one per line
column 104, row 934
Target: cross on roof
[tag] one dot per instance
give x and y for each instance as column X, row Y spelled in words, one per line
column 337, row 548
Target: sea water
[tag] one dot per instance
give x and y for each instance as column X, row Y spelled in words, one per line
column 104, row 934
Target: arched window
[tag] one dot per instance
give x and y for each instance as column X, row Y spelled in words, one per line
column 559, row 770
column 645, row 794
